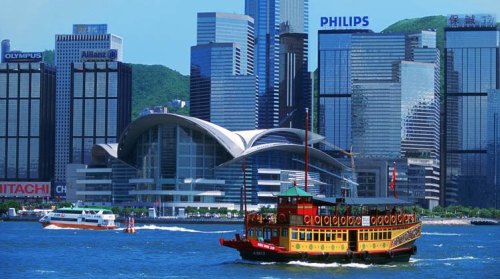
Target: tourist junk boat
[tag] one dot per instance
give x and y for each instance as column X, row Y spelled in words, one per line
column 325, row 230
column 370, row 230
column 80, row 218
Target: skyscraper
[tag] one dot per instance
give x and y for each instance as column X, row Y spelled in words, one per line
column 101, row 105
column 281, row 56
column 27, row 118
column 471, row 76
column 379, row 93
column 222, row 87
column 69, row 48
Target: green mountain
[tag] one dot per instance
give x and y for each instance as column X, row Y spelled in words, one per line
column 155, row 85
column 152, row 85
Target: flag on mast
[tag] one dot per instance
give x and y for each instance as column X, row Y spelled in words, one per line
column 393, row 181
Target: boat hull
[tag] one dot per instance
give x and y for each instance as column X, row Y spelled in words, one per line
column 78, row 226
column 261, row 252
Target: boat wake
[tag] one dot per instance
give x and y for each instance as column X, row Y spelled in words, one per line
column 175, row 229
column 54, row 227
column 441, row 234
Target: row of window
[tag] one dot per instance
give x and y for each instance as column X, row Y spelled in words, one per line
column 320, row 235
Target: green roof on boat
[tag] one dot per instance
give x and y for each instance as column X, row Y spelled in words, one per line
column 294, row 192
column 83, row 208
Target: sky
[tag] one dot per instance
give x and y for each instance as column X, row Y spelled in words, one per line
column 163, row 31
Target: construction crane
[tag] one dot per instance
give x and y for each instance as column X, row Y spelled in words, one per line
column 350, row 153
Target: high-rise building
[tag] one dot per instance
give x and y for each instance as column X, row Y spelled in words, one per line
column 471, row 81
column 379, row 94
column 281, row 58
column 101, row 105
column 222, row 88
column 70, row 48
column 27, row 120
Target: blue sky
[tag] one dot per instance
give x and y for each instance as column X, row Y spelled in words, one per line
column 162, row 31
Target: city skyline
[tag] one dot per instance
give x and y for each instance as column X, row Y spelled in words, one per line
column 152, row 20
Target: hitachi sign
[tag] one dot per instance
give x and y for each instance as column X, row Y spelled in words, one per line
column 23, row 56
column 344, row 21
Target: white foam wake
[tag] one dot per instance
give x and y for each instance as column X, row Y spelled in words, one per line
column 176, row 229
column 443, row 234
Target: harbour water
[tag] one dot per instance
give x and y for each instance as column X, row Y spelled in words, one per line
column 193, row 251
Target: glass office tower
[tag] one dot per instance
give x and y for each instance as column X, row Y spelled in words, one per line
column 229, row 28
column 471, row 76
column 222, row 87
column 101, row 105
column 379, row 93
column 27, row 121
column 219, row 94
column 278, row 105
column 68, row 49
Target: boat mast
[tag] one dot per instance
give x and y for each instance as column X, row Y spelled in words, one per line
column 245, row 194
column 307, row 128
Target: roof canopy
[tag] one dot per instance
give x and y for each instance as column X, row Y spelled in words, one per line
column 294, row 192
column 361, row 202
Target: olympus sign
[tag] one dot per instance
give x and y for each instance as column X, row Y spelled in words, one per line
column 99, row 55
column 23, row 56
column 344, row 21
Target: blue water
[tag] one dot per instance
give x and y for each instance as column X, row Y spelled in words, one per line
column 193, row 251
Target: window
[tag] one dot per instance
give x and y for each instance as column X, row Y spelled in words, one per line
column 284, row 233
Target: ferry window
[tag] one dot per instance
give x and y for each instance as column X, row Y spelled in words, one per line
column 390, row 235
column 366, row 236
column 294, row 200
column 322, row 236
column 375, row 236
column 258, row 232
column 309, row 236
column 275, row 232
column 360, row 236
column 380, row 235
column 267, row 233
column 316, row 236
column 339, row 235
column 333, row 236
column 344, row 237
column 385, row 235
column 284, row 233
column 302, row 236
column 328, row 236
column 281, row 200
column 250, row 232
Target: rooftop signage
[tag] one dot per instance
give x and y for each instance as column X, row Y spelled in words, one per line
column 90, row 29
column 25, row 189
column 98, row 55
column 18, row 56
column 471, row 20
column 344, row 22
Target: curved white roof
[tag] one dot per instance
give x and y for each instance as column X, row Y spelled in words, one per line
column 239, row 144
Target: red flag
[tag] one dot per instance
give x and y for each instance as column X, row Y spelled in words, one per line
column 393, row 181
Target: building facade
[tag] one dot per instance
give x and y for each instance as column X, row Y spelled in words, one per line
column 281, row 59
column 101, row 105
column 69, row 48
column 182, row 161
column 27, row 119
column 379, row 95
column 222, row 87
column 471, row 81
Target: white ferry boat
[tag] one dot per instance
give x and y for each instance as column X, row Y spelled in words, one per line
column 80, row 218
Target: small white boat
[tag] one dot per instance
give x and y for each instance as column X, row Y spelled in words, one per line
column 80, row 218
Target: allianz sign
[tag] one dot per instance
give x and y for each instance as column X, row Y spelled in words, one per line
column 99, row 54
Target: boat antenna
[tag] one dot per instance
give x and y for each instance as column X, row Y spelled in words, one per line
column 245, row 194
column 307, row 128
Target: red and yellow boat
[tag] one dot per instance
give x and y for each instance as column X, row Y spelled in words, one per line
column 361, row 230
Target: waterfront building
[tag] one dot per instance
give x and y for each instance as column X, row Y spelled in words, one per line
column 222, row 87
column 379, row 94
column 471, row 82
column 151, row 110
column 183, row 161
column 27, row 121
column 101, row 105
column 281, row 59
column 69, row 48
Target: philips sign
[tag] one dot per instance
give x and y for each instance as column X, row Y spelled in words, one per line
column 344, row 21
column 99, row 55
column 23, row 56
